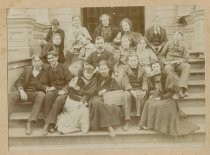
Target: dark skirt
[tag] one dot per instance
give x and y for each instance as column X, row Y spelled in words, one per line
column 103, row 115
column 166, row 117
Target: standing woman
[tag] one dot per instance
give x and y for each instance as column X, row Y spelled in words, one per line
column 126, row 30
column 104, row 115
column 75, row 30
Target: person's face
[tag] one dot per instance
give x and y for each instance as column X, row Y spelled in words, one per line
column 76, row 21
column 156, row 22
column 55, row 28
column 133, row 62
column 105, row 21
column 125, row 43
column 37, row 63
column 87, row 74
column 82, row 39
column 156, row 68
column 57, row 40
column 52, row 59
column 104, row 71
column 177, row 37
column 99, row 44
column 142, row 44
column 125, row 26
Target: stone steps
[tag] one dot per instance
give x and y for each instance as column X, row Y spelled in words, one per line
column 17, row 137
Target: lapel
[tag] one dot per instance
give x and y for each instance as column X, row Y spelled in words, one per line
column 28, row 73
column 131, row 73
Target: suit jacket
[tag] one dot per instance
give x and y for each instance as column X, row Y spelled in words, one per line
column 140, row 78
column 58, row 78
column 170, row 53
column 24, row 78
column 93, row 59
column 150, row 33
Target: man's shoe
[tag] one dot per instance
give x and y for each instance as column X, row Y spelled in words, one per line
column 51, row 128
column 28, row 130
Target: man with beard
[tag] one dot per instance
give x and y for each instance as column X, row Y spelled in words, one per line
column 100, row 54
column 104, row 115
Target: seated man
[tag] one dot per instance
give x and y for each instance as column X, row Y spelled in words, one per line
column 135, row 81
column 100, row 54
column 156, row 35
column 175, row 57
column 57, row 77
column 30, row 89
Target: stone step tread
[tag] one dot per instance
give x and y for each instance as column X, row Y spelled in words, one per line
column 194, row 96
column 188, row 110
column 197, row 70
column 194, row 60
column 194, row 110
column 19, row 132
column 108, row 146
column 196, row 82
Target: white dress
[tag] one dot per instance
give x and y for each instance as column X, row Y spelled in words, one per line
column 73, row 118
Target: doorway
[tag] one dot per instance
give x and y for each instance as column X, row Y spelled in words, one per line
column 135, row 14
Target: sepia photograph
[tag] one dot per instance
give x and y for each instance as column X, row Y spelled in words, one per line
column 120, row 77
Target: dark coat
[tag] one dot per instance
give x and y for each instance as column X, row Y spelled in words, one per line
column 140, row 79
column 94, row 60
column 58, row 78
column 149, row 34
column 115, row 30
column 48, row 38
column 85, row 92
column 24, row 78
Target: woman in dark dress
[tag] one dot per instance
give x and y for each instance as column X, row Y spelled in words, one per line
column 165, row 115
column 107, row 30
column 52, row 46
column 104, row 115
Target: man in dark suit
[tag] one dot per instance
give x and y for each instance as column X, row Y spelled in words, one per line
column 100, row 54
column 57, row 77
column 30, row 89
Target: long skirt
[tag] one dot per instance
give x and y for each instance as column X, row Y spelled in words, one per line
column 103, row 115
column 73, row 118
column 166, row 117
